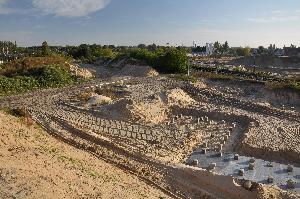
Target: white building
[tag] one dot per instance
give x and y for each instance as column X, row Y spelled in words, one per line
column 1, row 62
column 209, row 49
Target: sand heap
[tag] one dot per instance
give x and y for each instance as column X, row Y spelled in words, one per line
column 178, row 97
column 80, row 72
column 98, row 100
column 267, row 192
column 118, row 110
column 153, row 109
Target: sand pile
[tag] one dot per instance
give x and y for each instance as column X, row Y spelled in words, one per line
column 80, row 72
column 200, row 85
column 98, row 100
column 118, row 110
column 267, row 192
column 178, row 97
column 152, row 110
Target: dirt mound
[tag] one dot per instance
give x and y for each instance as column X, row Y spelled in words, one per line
column 268, row 192
column 118, row 110
column 35, row 165
column 179, row 97
column 80, row 72
column 99, row 100
column 152, row 110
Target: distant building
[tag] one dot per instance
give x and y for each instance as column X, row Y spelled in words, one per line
column 209, row 49
column 1, row 62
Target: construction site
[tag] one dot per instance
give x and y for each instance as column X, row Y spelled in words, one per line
column 203, row 139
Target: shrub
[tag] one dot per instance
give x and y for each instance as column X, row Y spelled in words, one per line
column 17, row 112
column 52, row 76
column 173, row 61
column 39, row 77
column 169, row 60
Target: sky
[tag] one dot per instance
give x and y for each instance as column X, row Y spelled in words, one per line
column 131, row 22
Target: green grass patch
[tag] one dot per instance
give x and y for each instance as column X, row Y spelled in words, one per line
column 47, row 76
column 182, row 77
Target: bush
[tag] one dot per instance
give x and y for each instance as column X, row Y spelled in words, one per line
column 24, row 66
column 41, row 77
column 52, row 76
column 173, row 61
column 169, row 60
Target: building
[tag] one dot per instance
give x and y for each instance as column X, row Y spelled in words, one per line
column 209, row 49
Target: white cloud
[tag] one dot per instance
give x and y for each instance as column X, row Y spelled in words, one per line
column 70, row 8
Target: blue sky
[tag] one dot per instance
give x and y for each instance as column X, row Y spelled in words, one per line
column 130, row 22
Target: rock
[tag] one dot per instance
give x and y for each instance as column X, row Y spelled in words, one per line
column 290, row 168
column 241, row 172
column 251, row 166
column 270, row 179
column 220, row 154
column 236, row 156
column 290, row 184
column 269, row 164
column 195, row 162
column 252, row 160
column 212, row 166
column 247, row 184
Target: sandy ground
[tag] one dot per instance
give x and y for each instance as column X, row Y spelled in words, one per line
column 152, row 125
column 35, row 165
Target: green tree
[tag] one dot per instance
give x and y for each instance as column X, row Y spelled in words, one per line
column 225, row 47
column 45, row 49
column 173, row 61
column 217, row 47
column 261, row 50
column 243, row 51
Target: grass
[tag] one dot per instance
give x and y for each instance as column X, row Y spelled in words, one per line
column 182, row 77
column 272, row 82
column 30, row 73
column 80, row 166
column 284, row 85
column 23, row 66
column 217, row 76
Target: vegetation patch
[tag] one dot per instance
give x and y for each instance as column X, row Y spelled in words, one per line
column 220, row 72
column 32, row 73
column 165, row 60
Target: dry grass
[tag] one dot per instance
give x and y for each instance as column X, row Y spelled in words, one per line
column 22, row 66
